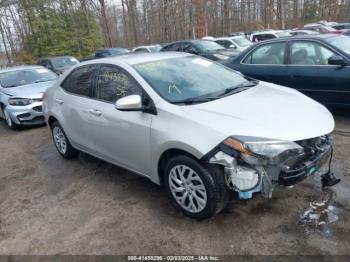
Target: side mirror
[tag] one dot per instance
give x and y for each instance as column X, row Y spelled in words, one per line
column 129, row 103
column 336, row 60
column 233, row 46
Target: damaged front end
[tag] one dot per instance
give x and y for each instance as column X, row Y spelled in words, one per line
column 259, row 165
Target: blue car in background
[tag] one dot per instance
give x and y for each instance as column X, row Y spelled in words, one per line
column 316, row 65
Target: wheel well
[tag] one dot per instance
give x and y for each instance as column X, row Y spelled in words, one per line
column 51, row 120
column 166, row 156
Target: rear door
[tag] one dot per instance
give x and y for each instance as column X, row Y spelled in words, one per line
column 310, row 73
column 73, row 106
column 266, row 62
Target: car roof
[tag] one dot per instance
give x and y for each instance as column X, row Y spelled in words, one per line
column 21, row 67
column 303, row 37
column 146, row 46
column 133, row 58
column 267, row 32
column 111, row 49
column 52, row 57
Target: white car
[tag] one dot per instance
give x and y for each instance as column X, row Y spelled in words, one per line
column 240, row 43
column 147, row 49
column 266, row 35
column 194, row 126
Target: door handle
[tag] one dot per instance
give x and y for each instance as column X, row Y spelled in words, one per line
column 296, row 76
column 95, row 112
column 59, row 101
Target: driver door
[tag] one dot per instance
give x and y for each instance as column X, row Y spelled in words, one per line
column 121, row 137
column 310, row 73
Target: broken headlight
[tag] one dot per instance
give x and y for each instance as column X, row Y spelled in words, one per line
column 256, row 150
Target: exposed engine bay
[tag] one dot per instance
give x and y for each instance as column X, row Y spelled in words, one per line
column 261, row 165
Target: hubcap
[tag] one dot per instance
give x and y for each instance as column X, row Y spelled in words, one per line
column 187, row 188
column 60, row 140
column 7, row 118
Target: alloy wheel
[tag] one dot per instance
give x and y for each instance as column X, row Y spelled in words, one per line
column 187, row 188
column 60, row 140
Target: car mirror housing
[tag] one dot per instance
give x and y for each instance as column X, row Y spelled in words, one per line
column 233, row 46
column 336, row 60
column 129, row 103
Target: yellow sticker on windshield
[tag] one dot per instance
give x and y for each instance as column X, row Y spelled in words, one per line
column 202, row 62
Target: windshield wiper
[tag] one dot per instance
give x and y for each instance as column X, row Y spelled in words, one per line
column 40, row 81
column 238, row 88
column 190, row 101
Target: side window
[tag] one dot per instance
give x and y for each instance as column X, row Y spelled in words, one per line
column 257, row 38
column 309, row 53
column 114, row 83
column 224, row 43
column 173, row 47
column 80, row 81
column 268, row 36
column 141, row 50
column 189, row 48
column 269, row 54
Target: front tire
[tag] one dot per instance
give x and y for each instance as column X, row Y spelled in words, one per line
column 8, row 119
column 200, row 192
column 62, row 143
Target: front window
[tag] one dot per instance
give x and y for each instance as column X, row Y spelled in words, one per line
column 189, row 78
column 63, row 62
column 309, row 53
column 269, row 54
column 114, row 83
column 241, row 41
column 341, row 42
column 25, row 77
column 207, row 46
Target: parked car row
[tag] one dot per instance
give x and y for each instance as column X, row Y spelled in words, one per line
column 204, row 121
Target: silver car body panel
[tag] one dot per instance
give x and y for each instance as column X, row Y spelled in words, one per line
column 137, row 140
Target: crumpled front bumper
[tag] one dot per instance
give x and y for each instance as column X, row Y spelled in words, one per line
column 27, row 115
column 313, row 165
column 247, row 177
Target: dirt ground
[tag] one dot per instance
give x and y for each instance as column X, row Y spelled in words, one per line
column 49, row 205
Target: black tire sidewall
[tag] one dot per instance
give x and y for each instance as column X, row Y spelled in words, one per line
column 209, row 182
column 70, row 152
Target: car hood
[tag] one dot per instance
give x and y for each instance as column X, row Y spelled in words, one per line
column 29, row 91
column 266, row 110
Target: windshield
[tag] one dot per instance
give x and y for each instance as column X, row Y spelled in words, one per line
column 341, row 42
column 242, row 41
column 282, row 34
column 25, row 77
column 185, row 78
column 63, row 62
column 207, row 46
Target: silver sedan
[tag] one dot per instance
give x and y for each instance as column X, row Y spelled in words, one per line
column 194, row 126
column 21, row 94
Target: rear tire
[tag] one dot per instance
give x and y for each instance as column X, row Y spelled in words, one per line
column 62, row 143
column 199, row 192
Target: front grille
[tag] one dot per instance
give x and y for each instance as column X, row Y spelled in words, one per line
column 313, row 147
column 23, row 115
column 38, row 108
